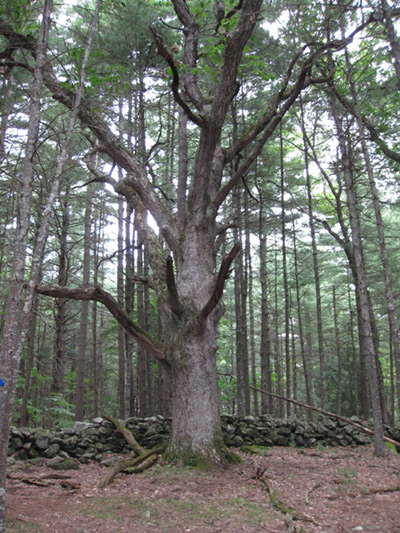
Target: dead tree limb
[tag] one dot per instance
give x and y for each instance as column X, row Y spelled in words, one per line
column 133, row 465
column 130, row 439
column 97, row 294
column 142, row 459
column 327, row 413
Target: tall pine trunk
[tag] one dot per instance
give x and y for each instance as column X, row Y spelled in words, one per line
column 365, row 313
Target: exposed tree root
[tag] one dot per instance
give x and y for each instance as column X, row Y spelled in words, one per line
column 32, row 480
column 290, row 513
column 382, row 490
column 141, row 460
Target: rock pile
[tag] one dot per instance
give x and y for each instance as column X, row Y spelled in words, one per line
column 93, row 441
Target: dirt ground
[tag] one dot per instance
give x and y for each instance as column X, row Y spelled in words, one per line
column 330, row 490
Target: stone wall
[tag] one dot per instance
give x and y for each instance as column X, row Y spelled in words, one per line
column 96, row 440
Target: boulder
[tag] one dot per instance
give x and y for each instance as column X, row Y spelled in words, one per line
column 52, row 450
column 64, row 464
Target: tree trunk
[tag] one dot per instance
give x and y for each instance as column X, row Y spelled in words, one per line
column 23, row 421
column 380, row 449
column 265, row 342
column 10, row 354
column 196, row 428
column 83, row 329
column 61, row 304
column 288, row 376
column 393, row 39
column 277, row 344
column 390, row 299
column 141, row 355
column 321, row 347
column 120, row 298
column 305, row 354
column 353, row 367
column 338, row 352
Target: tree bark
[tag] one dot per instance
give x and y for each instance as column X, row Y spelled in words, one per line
column 305, row 354
column 361, row 282
column 189, row 352
column 9, row 355
column 316, row 269
column 288, row 376
column 265, row 341
column 389, row 293
column 83, row 329
column 338, row 352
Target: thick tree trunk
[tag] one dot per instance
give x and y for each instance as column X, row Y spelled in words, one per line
column 196, row 427
column 389, row 293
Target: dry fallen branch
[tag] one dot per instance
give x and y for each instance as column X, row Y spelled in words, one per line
column 289, row 512
column 142, row 459
column 328, row 414
column 382, row 490
column 32, row 480
column 130, row 439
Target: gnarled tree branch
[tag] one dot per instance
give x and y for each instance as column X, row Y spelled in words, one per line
column 223, row 275
column 97, row 294
column 163, row 51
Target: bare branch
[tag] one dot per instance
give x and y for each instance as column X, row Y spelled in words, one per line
column 163, row 51
column 375, row 137
column 223, row 275
column 97, row 294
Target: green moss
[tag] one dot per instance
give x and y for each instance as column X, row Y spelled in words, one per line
column 255, row 450
column 211, row 458
column 17, row 524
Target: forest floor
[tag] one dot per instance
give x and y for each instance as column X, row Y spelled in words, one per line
column 328, row 490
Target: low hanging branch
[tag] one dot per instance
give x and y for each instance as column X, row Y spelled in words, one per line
column 97, row 294
column 142, row 460
column 327, row 413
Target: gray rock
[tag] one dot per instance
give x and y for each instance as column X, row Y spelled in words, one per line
column 55, row 460
column 105, row 431
column 71, row 442
column 153, row 430
column 33, row 453
column 16, row 443
column 329, row 423
column 82, row 427
column 109, row 461
column 65, row 464
column 284, row 431
column 52, row 450
column 237, row 441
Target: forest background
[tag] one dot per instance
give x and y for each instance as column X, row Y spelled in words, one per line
column 305, row 243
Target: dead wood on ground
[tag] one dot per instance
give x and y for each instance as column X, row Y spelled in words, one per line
column 141, row 459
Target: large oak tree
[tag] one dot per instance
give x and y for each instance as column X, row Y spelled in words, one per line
column 187, row 278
